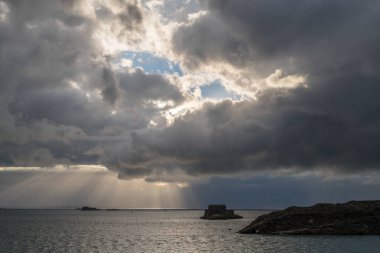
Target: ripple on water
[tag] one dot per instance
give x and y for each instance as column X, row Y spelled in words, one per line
column 172, row 231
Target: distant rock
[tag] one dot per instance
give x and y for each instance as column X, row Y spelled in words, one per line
column 219, row 212
column 87, row 208
column 351, row 218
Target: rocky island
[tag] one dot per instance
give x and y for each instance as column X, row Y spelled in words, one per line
column 219, row 212
column 351, row 218
column 87, row 208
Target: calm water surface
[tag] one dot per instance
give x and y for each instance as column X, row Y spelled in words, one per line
column 154, row 231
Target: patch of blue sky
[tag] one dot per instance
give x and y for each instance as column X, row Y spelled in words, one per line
column 216, row 90
column 151, row 63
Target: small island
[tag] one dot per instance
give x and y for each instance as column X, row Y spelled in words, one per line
column 219, row 212
column 351, row 218
column 87, row 208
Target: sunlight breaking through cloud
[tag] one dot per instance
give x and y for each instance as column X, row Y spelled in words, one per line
column 179, row 92
column 88, row 185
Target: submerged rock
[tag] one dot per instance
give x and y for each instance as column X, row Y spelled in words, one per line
column 351, row 218
column 219, row 212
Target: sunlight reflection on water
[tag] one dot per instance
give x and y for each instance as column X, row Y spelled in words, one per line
column 153, row 231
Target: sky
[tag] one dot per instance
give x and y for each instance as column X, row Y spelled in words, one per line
column 182, row 103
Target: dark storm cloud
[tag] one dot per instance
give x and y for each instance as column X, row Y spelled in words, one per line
column 109, row 92
column 131, row 16
column 143, row 88
column 229, row 138
column 57, row 90
column 207, row 39
column 275, row 33
column 333, row 124
column 281, row 192
column 128, row 14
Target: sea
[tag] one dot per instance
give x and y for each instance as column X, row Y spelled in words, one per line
column 155, row 231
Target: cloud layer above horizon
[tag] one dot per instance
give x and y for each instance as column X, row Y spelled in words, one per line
column 122, row 84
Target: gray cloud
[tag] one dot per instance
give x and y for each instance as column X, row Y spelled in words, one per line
column 109, row 92
column 177, row 10
column 132, row 16
column 278, row 34
column 142, row 88
column 62, row 102
column 208, row 40
column 229, row 138
column 333, row 124
column 58, row 90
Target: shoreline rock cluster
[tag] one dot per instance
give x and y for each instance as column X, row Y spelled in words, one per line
column 351, row 218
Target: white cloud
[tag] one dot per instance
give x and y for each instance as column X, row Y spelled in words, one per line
column 4, row 12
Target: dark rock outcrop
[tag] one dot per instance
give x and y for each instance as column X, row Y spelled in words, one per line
column 219, row 212
column 87, row 208
column 351, row 218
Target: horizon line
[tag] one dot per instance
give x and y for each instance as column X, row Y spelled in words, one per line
column 127, row 209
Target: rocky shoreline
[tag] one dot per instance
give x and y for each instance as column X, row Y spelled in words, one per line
column 351, row 218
